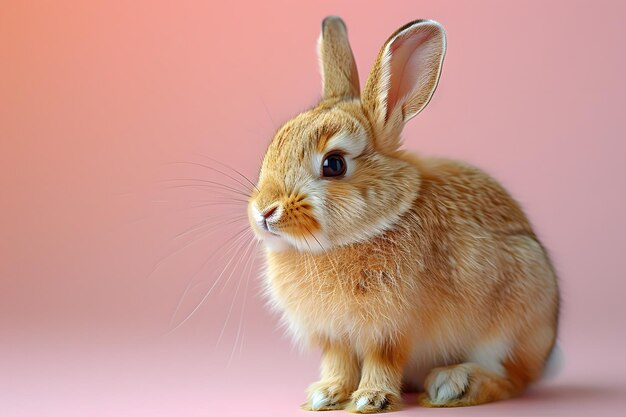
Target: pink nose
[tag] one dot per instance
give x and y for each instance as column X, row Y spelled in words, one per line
column 269, row 212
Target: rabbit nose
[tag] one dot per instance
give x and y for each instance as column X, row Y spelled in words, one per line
column 268, row 213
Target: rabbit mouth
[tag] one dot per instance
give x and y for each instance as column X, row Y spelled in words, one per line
column 267, row 228
column 264, row 229
column 283, row 237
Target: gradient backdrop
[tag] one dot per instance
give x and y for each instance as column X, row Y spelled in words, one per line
column 108, row 242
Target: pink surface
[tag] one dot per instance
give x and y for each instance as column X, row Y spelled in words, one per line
column 100, row 99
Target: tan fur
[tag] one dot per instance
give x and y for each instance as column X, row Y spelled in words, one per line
column 407, row 269
column 340, row 78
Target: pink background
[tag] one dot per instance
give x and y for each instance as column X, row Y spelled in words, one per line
column 100, row 99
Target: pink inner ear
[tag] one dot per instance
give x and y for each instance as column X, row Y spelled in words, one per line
column 409, row 62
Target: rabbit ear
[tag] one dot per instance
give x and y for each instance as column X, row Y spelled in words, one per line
column 340, row 78
column 404, row 77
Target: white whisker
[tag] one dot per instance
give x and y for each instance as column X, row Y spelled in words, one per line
column 229, row 167
column 208, row 293
column 229, row 244
column 232, row 304
column 246, row 272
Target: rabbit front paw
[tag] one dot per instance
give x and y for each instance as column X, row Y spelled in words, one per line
column 327, row 395
column 373, row 401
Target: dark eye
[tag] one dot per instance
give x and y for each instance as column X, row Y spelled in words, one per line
column 334, row 165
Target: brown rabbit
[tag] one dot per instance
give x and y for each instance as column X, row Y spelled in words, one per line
column 409, row 273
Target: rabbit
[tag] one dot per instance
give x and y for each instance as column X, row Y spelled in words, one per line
column 409, row 273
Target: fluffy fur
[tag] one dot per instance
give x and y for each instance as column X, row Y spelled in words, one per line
column 409, row 273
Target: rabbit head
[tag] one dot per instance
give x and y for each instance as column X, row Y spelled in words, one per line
column 335, row 175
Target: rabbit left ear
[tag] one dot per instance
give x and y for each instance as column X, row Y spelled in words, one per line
column 404, row 77
column 340, row 78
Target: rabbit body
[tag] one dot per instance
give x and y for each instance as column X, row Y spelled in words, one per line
column 409, row 273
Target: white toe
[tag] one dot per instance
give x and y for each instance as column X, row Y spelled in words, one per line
column 318, row 400
column 361, row 403
column 445, row 393
column 448, row 385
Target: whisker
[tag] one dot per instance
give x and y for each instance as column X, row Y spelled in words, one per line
column 309, row 256
column 207, row 184
column 267, row 110
column 220, row 198
column 232, row 304
column 325, row 252
column 244, row 303
column 313, row 236
column 206, row 295
column 245, row 272
column 226, row 201
column 165, row 258
column 228, row 244
column 215, row 224
column 217, row 203
column 318, row 242
column 246, row 187
column 225, row 283
column 229, row 167
column 216, row 196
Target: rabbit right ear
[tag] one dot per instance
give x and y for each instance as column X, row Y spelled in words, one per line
column 340, row 78
column 404, row 78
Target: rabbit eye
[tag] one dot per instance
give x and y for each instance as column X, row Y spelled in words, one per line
column 334, row 165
